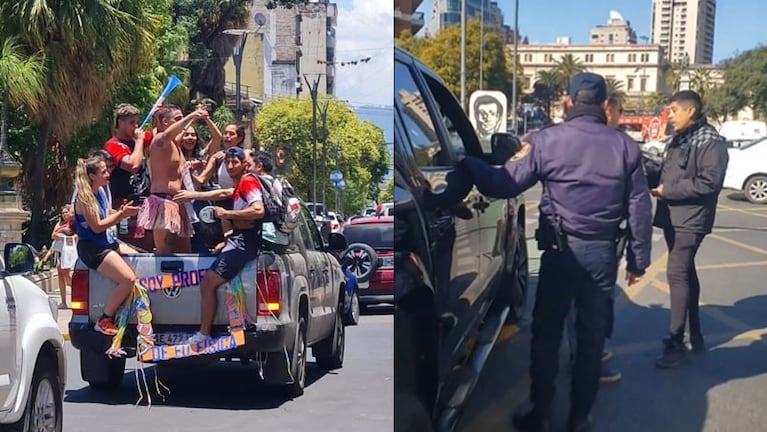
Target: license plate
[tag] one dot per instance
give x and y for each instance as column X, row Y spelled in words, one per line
column 171, row 338
column 386, row 262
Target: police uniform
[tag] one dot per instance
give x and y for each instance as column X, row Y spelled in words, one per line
column 592, row 180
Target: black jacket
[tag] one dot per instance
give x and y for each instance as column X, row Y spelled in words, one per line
column 692, row 177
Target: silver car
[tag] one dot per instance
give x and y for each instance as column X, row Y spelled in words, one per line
column 32, row 359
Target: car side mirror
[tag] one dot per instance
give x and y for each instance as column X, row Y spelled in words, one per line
column 19, row 258
column 503, row 146
column 337, row 242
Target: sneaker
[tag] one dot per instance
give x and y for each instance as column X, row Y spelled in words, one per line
column 530, row 421
column 196, row 338
column 606, row 356
column 609, row 376
column 696, row 341
column 673, row 355
column 63, row 306
column 106, row 326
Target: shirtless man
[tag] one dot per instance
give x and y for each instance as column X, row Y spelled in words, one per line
column 170, row 223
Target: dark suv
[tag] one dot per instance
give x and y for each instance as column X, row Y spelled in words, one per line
column 461, row 265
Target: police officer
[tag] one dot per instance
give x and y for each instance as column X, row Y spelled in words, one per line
column 592, row 179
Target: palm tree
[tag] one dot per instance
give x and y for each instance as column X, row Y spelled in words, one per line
column 548, row 86
column 88, row 47
column 701, row 81
column 674, row 74
column 615, row 87
column 21, row 82
column 568, row 65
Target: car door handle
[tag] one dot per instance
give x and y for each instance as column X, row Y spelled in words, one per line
column 174, row 266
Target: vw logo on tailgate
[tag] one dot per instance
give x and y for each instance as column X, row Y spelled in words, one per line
column 172, row 292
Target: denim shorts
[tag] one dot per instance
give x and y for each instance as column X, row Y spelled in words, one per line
column 241, row 248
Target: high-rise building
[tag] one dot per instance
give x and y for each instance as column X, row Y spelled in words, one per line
column 685, row 28
column 406, row 16
column 448, row 12
column 617, row 32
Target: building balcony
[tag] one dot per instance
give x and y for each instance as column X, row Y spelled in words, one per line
column 332, row 14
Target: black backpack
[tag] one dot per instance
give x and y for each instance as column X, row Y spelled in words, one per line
column 282, row 208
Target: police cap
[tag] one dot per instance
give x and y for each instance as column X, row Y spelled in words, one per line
column 587, row 88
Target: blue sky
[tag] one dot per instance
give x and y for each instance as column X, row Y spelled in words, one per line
column 365, row 29
column 739, row 23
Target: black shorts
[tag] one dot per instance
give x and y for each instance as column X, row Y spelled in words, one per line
column 92, row 254
column 241, row 247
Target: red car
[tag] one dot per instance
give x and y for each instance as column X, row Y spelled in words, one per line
column 371, row 257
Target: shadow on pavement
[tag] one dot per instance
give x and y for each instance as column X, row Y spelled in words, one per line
column 379, row 309
column 646, row 399
column 227, row 386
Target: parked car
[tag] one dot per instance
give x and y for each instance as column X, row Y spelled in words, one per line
column 335, row 222
column 371, row 254
column 33, row 367
column 747, row 170
column 298, row 302
column 461, row 267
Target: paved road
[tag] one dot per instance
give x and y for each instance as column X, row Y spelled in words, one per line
column 722, row 389
column 228, row 397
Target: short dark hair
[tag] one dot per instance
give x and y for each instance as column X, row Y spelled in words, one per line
column 689, row 97
column 123, row 111
column 265, row 159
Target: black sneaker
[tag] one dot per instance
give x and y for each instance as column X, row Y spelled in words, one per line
column 579, row 425
column 673, row 355
column 530, row 421
column 696, row 341
column 609, row 376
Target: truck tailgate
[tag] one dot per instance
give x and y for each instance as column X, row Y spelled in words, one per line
column 179, row 305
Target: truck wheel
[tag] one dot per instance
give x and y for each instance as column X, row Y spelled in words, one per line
column 43, row 411
column 352, row 317
column 298, row 361
column 756, row 189
column 514, row 280
column 329, row 352
column 362, row 261
column 101, row 372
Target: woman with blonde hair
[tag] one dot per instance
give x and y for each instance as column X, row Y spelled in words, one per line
column 95, row 248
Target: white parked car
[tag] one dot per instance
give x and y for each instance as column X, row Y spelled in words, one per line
column 32, row 359
column 335, row 224
column 747, row 170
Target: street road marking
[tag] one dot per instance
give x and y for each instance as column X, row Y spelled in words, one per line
column 731, row 265
column 739, row 244
column 719, row 316
column 631, row 292
column 739, row 210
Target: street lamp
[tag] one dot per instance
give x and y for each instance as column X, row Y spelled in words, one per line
column 514, row 65
column 237, row 38
column 313, row 93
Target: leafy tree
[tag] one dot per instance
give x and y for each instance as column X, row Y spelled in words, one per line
column 674, row 75
column 21, row 82
column 88, row 49
column 549, row 85
column 615, row 87
column 701, row 81
column 387, row 193
column 745, row 79
column 287, row 4
column 442, row 54
column 360, row 147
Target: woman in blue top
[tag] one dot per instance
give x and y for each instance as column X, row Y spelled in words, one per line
column 97, row 250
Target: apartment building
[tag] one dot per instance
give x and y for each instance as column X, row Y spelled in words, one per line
column 638, row 68
column 617, row 32
column 448, row 12
column 293, row 43
column 685, row 29
column 406, row 16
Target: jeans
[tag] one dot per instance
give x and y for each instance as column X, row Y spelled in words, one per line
column 682, row 277
column 584, row 275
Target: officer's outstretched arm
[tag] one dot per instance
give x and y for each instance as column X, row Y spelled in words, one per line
column 712, row 162
column 518, row 174
column 639, row 221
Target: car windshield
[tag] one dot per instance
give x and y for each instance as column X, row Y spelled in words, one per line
column 376, row 235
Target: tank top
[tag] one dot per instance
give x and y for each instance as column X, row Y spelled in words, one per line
column 86, row 233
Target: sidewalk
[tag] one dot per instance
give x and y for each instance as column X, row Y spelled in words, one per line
column 64, row 314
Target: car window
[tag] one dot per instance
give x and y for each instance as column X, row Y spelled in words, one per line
column 376, row 235
column 418, row 125
column 311, row 234
column 463, row 138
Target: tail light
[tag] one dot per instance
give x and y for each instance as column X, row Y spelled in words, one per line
column 269, row 292
column 80, row 292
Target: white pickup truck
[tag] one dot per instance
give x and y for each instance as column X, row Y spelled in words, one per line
column 300, row 305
